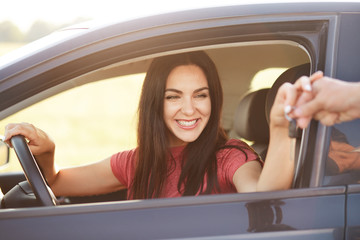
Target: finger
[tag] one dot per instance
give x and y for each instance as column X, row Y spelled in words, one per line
column 287, row 94
column 315, row 76
column 303, row 122
column 8, row 134
column 303, row 84
column 327, row 118
column 24, row 129
column 305, row 94
column 344, row 117
column 308, row 109
column 284, row 102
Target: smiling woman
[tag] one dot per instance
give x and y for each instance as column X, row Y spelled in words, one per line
column 207, row 162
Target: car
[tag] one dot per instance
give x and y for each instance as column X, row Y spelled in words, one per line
column 256, row 48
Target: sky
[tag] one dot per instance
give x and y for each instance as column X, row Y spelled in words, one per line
column 24, row 12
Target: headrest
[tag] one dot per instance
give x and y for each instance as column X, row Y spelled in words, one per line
column 290, row 75
column 250, row 120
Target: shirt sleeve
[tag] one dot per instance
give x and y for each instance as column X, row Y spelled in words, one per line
column 231, row 158
column 122, row 166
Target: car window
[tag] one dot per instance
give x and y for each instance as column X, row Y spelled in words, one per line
column 98, row 118
column 265, row 78
column 88, row 122
column 343, row 158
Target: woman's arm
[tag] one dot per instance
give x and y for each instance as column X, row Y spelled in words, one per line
column 278, row 170
column 92, row 179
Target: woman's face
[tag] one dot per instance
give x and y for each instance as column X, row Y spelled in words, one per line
column 187, row 105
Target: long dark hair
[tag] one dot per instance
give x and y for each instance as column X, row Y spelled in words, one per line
column 153, row 144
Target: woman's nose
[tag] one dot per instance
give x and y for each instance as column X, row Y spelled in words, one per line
column 188, row 107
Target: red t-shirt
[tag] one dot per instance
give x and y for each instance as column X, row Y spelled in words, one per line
column 229, row 160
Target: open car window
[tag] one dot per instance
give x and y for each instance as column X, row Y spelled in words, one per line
column 94, row 116
column 87, row 123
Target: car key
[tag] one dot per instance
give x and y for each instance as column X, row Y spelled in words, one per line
column 292, row 122
column 292, row 129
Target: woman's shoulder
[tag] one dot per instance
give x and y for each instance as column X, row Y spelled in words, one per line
column 126, row 154
column 237, row 143
column 123, row 166
column 236, row 146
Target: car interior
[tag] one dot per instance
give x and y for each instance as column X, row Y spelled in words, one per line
column 251, row 73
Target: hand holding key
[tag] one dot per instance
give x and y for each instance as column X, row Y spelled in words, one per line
column 304, row 93
column 333, row 101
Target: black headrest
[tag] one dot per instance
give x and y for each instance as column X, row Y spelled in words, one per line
column 250, row 120
column 290, row 75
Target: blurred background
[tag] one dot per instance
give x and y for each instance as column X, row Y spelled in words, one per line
column 23, row 21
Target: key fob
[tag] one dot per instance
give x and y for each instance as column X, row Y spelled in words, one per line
column 292, row 129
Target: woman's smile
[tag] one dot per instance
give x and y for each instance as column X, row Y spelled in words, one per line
column 187, row 124
column 187, row 105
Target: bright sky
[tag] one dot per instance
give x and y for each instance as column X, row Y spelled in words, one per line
column 24, row 12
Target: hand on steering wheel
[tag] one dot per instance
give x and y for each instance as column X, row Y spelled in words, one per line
column 32, row 172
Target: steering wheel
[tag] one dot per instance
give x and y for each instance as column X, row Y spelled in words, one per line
column 32, row 172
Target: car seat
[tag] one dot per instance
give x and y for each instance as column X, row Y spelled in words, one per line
column 252, row 116
column 250, row 121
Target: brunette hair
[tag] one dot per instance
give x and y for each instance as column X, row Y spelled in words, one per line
column 153, row 144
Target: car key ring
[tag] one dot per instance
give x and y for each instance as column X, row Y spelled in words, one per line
column 292, row 122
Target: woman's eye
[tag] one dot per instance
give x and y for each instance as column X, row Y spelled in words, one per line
column 172, row 97
column 203, row 95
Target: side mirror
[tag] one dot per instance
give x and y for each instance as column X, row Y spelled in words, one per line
column 4, row 153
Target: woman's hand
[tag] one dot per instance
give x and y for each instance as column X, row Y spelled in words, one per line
column 289, row 97
column 75, row 181
column 278, row 171
column 40, row 144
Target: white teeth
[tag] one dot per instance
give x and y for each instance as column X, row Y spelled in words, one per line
column 187, row 123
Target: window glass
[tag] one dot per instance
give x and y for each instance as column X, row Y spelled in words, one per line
column 87, row 123
column 343, row 160
column 265, row 78
column 91, row 122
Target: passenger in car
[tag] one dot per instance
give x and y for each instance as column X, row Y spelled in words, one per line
column 331, row 101
column 182, row 148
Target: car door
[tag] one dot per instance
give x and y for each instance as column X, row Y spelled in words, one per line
column 342, row 155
